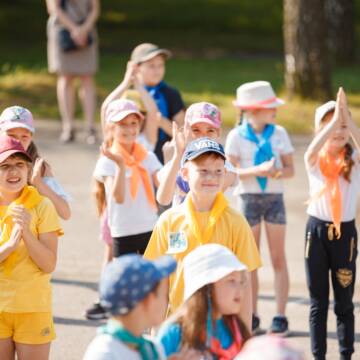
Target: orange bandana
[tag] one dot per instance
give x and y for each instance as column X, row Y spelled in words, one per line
column 133, row 161
column 331, row 168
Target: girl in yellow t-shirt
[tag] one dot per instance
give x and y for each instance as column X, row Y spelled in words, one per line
column 29, row 228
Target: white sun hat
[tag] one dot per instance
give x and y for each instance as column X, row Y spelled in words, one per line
column 207, row 264
column 322, row 110
column 256, row 95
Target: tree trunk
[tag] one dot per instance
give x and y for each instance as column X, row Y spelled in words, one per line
column 307, row 65
column 340, row 15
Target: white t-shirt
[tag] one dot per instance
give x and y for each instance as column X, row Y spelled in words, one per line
column 105, row 347
column 237, row 145
column 320, row 206
column 141, row 139
column 132, row 216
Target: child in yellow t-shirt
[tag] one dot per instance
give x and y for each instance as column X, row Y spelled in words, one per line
column 204, row 217
column 28, row 251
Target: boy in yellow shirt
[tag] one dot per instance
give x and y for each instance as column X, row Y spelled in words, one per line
column 204, row 217
column 28, row 251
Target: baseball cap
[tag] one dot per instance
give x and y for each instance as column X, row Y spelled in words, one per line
column 256, row 95
column 207, row 264
column 16, row 117
column 147, row 51
column 322, row 110
column 128, row 279
column 119, row 109
column 203, row 112
column 10, row 146
column 201, row 146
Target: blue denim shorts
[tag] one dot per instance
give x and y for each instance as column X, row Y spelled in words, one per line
column 269, row 207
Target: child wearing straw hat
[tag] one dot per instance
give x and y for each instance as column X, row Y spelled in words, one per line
column 209, row 321
column 333, row 169
column 204, row 217
column 262, row 153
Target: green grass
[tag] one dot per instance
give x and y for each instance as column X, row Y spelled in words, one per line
column 198, row 79
column 218, row 44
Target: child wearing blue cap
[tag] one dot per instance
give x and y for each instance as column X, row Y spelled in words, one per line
column 135, row 293
column 204, row 217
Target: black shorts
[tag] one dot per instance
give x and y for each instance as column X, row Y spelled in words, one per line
column 131, row 244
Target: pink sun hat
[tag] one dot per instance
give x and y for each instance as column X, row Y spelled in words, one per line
column 119, row 109
column 203, row 112
column 16, row 117
column 256, row 95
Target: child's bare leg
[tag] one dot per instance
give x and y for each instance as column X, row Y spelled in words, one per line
column 31, row 352
column 254, row 276
column 7, row 349
column 276, row 239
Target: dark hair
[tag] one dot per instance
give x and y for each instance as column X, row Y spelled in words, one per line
column 241, row 117
column 33, row 151
column 349, row 162
column 194, row 321
column 20, row 156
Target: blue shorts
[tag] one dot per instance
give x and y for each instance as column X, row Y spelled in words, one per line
column 269, row 207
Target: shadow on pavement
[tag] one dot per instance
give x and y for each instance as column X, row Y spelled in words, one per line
column 77, row 322
column 86, row 284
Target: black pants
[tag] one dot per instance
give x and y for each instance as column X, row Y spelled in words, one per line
column 131, row 244
column 324, row 253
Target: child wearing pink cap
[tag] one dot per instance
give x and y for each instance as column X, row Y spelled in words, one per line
column 29, row 231
column 262, row 153
column 17, row 122
column 125, row 176
column 202, row 119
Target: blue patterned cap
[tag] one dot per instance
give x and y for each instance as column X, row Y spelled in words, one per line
column 128, row 279
column 201, row 146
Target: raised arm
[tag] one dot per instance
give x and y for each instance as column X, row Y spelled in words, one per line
column 167, row 183
column 152, row 114
column 323, row 135
column 119, row 90
column 353, row 128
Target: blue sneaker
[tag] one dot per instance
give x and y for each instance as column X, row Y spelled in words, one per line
column 279, row 326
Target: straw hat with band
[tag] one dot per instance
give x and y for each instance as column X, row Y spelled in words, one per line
column 256, row 95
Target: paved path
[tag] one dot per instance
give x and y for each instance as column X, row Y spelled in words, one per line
column 80, row 253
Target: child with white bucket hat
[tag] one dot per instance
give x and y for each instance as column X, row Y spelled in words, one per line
column 208, row 321
column 262, row 152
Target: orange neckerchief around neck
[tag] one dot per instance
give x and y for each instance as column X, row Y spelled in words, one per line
column 331, row 168
column 217, row 209
column 235, row 347
column 133, row 161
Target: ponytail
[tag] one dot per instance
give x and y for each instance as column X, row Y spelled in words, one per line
column 100, row 197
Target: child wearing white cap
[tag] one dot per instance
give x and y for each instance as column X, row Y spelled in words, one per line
column 262, row 153
column 202, row 119
column 209, row 319
column 125, row 178
column 17, row 122
column 333, row 169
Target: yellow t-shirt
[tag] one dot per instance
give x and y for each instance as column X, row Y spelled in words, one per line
column 172, row 235
column 27, row 288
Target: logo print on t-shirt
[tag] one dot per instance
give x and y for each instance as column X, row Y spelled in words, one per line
column 177, row 243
